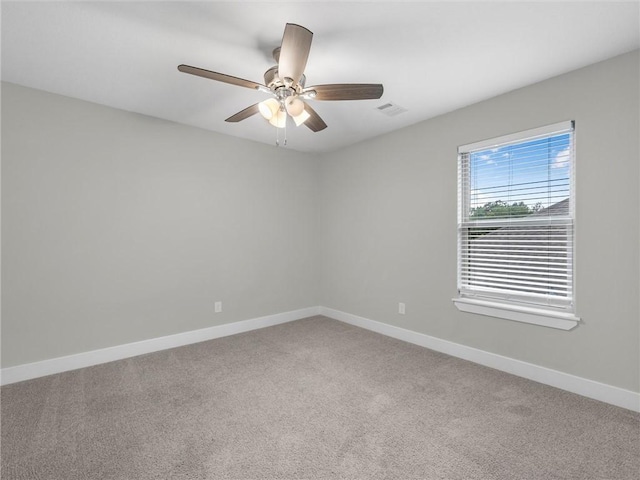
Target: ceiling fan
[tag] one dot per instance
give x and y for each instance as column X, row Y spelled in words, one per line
column 285, row 82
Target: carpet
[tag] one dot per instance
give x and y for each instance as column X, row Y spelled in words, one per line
column 310, row 399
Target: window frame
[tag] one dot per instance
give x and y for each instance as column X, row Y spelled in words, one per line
column 561, row 315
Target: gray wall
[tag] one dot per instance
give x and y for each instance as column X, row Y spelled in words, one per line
column 119, row 227
column 388, row 224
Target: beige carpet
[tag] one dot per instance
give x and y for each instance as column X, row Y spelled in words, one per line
column 312, row 399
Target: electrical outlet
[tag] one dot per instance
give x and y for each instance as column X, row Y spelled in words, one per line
column 218, row 307
column 401, row 308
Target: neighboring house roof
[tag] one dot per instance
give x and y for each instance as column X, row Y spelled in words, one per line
column 530, row 254
column 560, row 208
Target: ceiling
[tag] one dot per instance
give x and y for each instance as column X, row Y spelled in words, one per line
column 432, row 57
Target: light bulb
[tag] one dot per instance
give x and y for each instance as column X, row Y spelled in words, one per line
column 269, row 108
column 300, row 119
column 294, row 105
column 279, row 120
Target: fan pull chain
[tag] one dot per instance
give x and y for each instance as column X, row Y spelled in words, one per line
column 284, row 143
column 285, row 131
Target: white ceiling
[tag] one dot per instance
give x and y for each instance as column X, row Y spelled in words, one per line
column 432, row 57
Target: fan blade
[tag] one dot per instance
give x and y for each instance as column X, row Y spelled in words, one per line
column 296, row 43
column 220, row 77
column 242, row 114
column 314, row 122
column 347, row 91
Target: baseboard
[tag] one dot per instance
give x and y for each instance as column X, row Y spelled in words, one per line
column 582, row 386
column 86, row 359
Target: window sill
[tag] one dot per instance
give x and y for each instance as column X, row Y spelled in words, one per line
column 536, row 316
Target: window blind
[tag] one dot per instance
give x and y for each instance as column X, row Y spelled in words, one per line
column 515, row 218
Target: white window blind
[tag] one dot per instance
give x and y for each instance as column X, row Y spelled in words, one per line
column 515, row 218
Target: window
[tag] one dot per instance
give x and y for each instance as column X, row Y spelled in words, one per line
column 515, row 227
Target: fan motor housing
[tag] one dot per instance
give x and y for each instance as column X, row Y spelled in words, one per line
column 272, row 80
column 271, row 76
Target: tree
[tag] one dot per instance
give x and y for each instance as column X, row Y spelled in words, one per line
column 500, row 208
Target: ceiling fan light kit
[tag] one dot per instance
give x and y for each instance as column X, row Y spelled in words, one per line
column 300, row 119
column 294, row 106
column 279, row 120
column 269, row 108
column 285, row 82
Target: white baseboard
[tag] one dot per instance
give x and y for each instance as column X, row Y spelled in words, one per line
column 86, row 359
column 582, row 386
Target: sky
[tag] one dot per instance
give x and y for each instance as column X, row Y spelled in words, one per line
column 535, row 171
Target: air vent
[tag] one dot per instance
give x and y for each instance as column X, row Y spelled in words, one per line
column 391, row 109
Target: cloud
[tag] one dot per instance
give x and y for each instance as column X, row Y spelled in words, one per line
column 487, row 159
column 562, row 159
